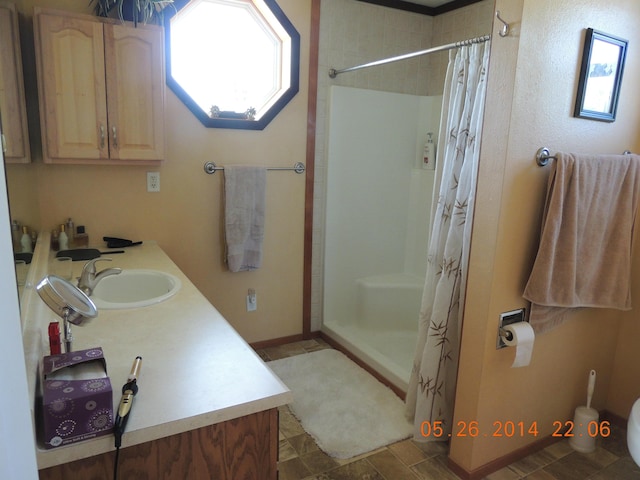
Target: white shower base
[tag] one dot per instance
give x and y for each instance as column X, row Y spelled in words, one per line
column 384, row 330
column 390, row 353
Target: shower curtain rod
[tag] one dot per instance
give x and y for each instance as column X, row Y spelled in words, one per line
column 333, row 73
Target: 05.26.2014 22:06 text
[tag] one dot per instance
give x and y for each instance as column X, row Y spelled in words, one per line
column 511, row 429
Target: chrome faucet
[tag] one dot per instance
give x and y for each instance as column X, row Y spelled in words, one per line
column 90, row 278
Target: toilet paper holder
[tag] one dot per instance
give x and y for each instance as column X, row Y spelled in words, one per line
column 505, row 334
column 507, row 318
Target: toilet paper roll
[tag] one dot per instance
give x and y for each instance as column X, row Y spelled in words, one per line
column 522, row 338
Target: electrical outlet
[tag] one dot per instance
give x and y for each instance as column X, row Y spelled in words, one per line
column 252, row 300
column 153, row 181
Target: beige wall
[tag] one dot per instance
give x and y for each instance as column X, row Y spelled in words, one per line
column 185, row 217
column 531, row 93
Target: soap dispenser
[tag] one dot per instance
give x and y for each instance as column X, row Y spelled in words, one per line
column 429, row 154
column 25, row 241
column 63, row 239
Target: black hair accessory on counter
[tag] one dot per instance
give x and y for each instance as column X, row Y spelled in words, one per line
column 115, row 242
column 23, row 256
column 77, row 254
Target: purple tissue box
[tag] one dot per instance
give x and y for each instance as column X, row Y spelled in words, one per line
column 77, row 402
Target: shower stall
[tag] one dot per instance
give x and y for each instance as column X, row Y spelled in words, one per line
column 377, row 223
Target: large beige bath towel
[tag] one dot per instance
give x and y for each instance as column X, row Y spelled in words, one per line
column 244, row 210
column 584, row 257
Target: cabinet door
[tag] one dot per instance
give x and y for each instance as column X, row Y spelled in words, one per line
column 13, row 112
column 72, row 85
column 135, row 91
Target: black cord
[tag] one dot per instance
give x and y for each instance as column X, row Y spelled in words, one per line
column 118, row 441
column 115, row 464
column 129, row 390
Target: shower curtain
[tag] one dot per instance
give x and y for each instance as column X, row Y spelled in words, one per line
column 432, row 384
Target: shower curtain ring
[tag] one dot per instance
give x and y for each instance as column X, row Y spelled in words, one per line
column 504, row 31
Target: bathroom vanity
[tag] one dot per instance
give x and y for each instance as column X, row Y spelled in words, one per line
column 207, row 405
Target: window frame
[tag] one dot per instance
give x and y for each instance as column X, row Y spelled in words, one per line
column 244, row 124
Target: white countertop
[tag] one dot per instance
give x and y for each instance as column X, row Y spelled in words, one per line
column 196, row 369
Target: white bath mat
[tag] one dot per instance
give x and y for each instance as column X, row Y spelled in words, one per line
column 344, row 408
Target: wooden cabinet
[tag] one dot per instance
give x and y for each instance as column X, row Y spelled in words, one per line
column 101, row 88
column 245, row 448
column 13, row 112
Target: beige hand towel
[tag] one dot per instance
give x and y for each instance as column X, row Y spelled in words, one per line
column 244, row 210
column 584, row 257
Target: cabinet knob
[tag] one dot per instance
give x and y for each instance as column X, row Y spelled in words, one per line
column 115, row 137
column 101, row 136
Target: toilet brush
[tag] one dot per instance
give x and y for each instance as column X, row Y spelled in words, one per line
column 584, row 434
column 591, row 387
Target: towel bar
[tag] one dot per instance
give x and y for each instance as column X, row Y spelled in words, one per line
column 543, row 155
column 211, row 168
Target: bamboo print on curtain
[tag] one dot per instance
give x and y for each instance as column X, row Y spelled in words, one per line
column 432, row 383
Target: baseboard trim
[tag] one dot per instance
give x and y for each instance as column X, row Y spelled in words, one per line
column 615, row 419
column 276, row 342
column 499, row 463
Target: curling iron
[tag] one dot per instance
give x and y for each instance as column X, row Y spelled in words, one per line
column 129, row 390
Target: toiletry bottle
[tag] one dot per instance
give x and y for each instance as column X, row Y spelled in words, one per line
column 70, row 230
column 25, row 241
column 81, row 238
column 34, row 240
column 54, row 338
column 55, row 242
column 63, row 238
column 429, row 154
column 16, row 235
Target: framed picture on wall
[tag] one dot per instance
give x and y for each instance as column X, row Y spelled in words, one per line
column 600, row 76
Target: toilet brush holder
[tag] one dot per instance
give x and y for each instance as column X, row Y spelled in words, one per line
column 585, row 430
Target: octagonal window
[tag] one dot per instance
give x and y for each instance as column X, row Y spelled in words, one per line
column 234, row 63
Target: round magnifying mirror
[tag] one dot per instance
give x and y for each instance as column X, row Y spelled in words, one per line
column 67, row 300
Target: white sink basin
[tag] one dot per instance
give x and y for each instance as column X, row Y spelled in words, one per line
column 134, row 289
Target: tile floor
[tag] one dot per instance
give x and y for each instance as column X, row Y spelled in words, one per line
column 301, row 459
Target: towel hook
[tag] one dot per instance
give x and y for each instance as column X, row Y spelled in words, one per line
column 504, row 31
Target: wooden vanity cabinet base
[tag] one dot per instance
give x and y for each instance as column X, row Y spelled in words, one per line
column 244, row 448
